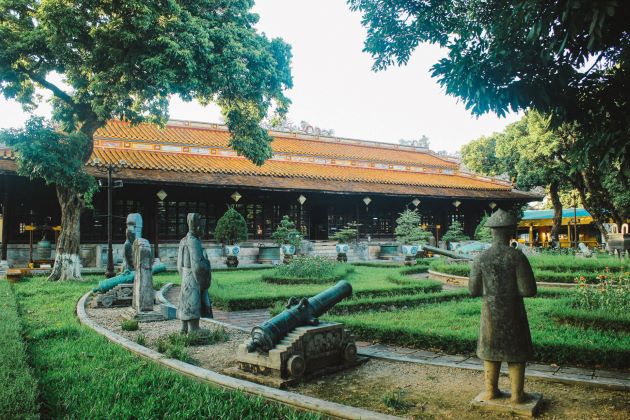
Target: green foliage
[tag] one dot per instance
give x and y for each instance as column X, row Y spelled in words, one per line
column 346, row 234
column 129, row 325
column 18, row 395
column 43, row 152
column 611, row 294
column 231, row 228
column 453, row 327
column 65, row 356
column 408, row 230
column 569, row 59
column 395, row 400
column 306, row 269
column 286, row 233
column 483, row 233
column 141, row 339
column 599, row 319
column 455, row 233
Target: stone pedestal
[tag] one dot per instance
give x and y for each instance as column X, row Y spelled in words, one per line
column 304, row 353
column 144, row 316
column 528, row 408
column 120, row 295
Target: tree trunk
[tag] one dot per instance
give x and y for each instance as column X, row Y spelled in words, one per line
column 557, row 211
column 598, row 218
column 67, row 262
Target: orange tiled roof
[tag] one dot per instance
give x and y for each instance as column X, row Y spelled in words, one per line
column 214, row 135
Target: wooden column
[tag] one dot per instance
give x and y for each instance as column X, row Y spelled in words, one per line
column 6, row 220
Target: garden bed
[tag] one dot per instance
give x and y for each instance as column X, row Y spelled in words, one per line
column 341, row 271
column 453, row 327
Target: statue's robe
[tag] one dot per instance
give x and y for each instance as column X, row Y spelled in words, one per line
column 503, row 276
column 194, row 269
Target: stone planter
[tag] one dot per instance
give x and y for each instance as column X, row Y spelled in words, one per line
column 289, row 251
column 410, row 252
column 232, row 251
column 388, row 251
column 268, row 254
column 342, row 252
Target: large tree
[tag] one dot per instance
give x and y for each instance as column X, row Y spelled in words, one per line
column 566, row 58
column 125, row 59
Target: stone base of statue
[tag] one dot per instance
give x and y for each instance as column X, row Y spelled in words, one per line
column 528, row 408
column 120, row 295
column 144, row 316
column 305, row 353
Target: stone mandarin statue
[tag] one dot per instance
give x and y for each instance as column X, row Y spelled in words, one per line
column 133, row 232
column 194, row 268
column 503, row 276
column 143, row 294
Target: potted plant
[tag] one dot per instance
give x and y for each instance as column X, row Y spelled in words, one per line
column 455, row 233
column 409, row 233
column 287, row 237
column 344, row 236
column 231, row 229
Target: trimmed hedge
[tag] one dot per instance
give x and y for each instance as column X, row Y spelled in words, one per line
column 18, row 394
column 596, row 319
column 341, row 272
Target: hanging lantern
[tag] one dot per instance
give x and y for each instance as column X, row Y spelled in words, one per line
column 236, row 196
column 301, row 199
column 457, row 203
column 492, row 205
column 416, row 202
column 161, row 195
column 367, row 200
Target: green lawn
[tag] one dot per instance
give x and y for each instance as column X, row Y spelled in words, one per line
column 82, row 375
column 238, row 290
column 454, row 326
column 18, row 394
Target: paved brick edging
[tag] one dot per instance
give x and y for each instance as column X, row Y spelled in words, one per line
column 299, row 401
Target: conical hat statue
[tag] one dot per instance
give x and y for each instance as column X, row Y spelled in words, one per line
column 501, row 218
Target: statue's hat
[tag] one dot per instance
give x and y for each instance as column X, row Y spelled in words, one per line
column 501, row 218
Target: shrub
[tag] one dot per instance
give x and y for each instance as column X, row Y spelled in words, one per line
column 408, row 230
column 129, row 325
column 346, row 234
column 395, row 400
column 141, row 340
column 286, row 233
column 456, row 269
column 307, row 267
column 611, row 294
column 455, row 233
column 482, row 232
column 231, row 228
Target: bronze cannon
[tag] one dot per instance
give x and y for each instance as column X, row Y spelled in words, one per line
column 298, row 313
column 450, row 254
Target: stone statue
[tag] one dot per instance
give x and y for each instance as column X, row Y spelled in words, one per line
column 194, row 268
column 143, row 294
column 503, row 276
column 133, row 232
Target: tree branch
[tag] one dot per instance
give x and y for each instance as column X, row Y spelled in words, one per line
column 50, row 86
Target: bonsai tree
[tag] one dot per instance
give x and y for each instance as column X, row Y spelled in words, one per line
column 482, row 232
column 231, row 229
column 408, row 230
column 286, row 233
column 455, row 233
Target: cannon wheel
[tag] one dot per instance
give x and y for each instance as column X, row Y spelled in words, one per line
column 350, row 352
column 296, row 366
column 107, row 301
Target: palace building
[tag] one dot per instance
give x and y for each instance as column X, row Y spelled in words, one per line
column 322, row 183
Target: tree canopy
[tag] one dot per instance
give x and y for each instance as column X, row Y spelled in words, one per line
column 565, row 58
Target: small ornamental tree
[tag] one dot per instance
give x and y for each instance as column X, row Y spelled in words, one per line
column 455, row 233
column 482, row 232
column 231, row 228
column 346, row 234
column 286, row 233
column 408, row 230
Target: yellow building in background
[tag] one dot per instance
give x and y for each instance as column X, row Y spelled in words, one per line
column 534, row 229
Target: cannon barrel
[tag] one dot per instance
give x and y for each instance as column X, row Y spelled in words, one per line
column 297, row 314
column 126, row 277
column 451, row 254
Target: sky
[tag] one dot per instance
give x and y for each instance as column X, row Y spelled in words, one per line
column 335, row 87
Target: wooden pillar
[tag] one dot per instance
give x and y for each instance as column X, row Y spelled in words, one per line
column 6, row 220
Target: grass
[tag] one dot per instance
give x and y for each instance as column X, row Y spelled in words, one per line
column 454, row 326
column 549, row 268
column 339, row 272
column 600, row 319
column 129, row 325
column 18, row 394
column 82, row 375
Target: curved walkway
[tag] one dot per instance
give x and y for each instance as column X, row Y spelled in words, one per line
column 293, row 399
column 611, row 379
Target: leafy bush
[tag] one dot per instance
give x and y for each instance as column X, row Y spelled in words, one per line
column 231, row 228
column 482, row 232
column 286, row 233
column 611, row 294
column 346, row 234
column 307, row 267
column 18, row 395
column 455, row 233
column 457, row 269
column 129, row 325
column 408, row 230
